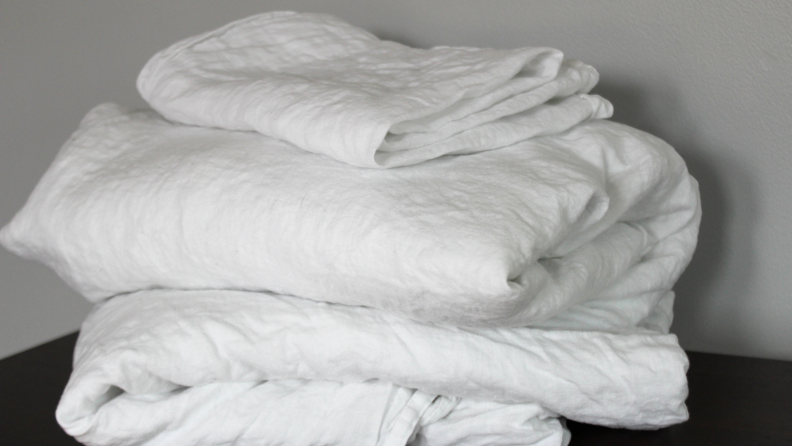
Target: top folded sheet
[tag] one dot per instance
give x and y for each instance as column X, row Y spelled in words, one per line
column 330, row 88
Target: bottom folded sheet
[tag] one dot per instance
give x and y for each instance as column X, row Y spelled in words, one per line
column 167, row 367
column 299, row 412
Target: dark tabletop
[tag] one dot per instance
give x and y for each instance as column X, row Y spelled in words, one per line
column 733, row 401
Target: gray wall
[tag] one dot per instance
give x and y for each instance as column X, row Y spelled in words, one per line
column 711, row 77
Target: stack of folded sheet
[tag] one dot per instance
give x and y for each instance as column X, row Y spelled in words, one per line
column 322, row 238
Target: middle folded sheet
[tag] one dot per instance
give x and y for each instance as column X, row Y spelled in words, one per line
column 601, row 213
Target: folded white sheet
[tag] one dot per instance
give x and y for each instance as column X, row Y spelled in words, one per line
column 460, row 300
column 331, row 88
column 299, row 412
column 507, row 237
column 158, row 366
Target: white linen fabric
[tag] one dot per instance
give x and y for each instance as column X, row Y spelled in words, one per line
column 251, row 290
column 334, row 89
column 508, row 237
column 165, row 361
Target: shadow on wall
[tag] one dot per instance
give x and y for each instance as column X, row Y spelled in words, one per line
column 709, row 308
column 398, row 38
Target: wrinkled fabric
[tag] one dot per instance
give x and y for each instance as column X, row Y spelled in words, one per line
column 507, row 263
column 509, row 237
column 331, row 88
column 156, row 361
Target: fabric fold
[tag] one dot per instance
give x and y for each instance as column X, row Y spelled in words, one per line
column 163, row 348
column 509, row 237
column 331, row 88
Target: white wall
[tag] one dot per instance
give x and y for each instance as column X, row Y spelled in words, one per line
column 710, row 77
